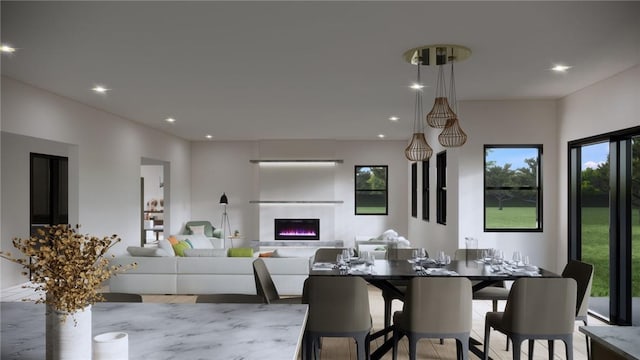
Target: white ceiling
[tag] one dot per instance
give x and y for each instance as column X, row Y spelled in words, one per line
column 306, row 70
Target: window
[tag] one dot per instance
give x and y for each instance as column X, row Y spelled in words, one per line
column 441, row 188
column 414, row 190
column 425, row 190
column 512, row 188
column 371, row 190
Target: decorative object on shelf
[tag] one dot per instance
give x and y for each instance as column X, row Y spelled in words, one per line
column 67, row 270
column 313, row 162
column 452, row 135
column 418, row 148
column 224, row 225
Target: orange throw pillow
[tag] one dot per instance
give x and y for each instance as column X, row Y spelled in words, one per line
column 172, row 240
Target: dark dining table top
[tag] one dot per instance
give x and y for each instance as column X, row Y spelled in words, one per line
column 404, row 269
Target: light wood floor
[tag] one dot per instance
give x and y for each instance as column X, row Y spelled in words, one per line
column 342, row 349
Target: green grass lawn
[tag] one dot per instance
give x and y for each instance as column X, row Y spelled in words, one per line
column 595, row 240
column 364, row 210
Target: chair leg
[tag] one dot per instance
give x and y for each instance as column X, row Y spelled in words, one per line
column 551, row 342
column 387, row 314
column 568, row 345
column 495, row 305
column 516, row 348
column 487, row 334
column 586, row 337
column 413, row 346
column 462, row 348
column 507, row 347
column 531, row 345
column 361, row 349
column 396, row 337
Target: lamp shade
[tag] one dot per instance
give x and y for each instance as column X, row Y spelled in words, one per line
column 223, row 199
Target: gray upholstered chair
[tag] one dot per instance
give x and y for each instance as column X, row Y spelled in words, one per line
column 327, row 254
column 230, row 299
column 494, row 293
column 537, row 309
column 121, row 297
column 435, row 307
column 582, row 273
column 338, row 307
column 394, row 253
column 266, row 288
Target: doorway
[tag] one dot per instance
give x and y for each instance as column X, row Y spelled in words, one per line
column 154, row 201
column 604, row 221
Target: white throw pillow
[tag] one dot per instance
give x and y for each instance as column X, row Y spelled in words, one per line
column 166, row 246
column 143, row 251
column 197, row 230
column 290, row 253
column 200, row 242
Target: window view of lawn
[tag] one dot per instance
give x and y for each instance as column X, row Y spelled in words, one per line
column 595, row 248
column 511, row 217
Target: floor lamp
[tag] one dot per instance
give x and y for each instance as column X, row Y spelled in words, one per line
column 226, row 228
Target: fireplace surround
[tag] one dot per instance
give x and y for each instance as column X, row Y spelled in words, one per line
column 297, row 229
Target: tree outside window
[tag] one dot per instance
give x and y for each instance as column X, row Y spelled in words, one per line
column 371, row 191
column 513, row 194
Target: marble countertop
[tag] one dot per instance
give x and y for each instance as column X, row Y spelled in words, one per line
column 170, row 331
column 620, row 339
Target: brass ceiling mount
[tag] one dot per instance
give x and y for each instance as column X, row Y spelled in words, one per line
column 436, row 54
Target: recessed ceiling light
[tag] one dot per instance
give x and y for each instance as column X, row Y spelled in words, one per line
column 7, row 49
column 416, row 86
column 170, row 120
column 100, row 89
column 209, row 136
column 394, row 118
column 381, row 136
column 561, row 68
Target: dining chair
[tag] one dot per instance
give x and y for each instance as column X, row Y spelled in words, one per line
column 327, row 254
column 435, row 307
column 121, row 297
column 338, row 307
column 230, row 299
column 494, row 293
column 537, row 309
column 582, row 273
column 266, row 288
column 388, row 295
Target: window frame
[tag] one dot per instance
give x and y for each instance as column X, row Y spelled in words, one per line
column 538, row 188
column 441, row 187
column 414, row 190
column 425, row 190
column 356, row 190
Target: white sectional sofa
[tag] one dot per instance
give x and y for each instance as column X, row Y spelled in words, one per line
column 207, row 275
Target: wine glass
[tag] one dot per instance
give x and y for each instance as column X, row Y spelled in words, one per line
column 517, row 257
column 346, row 255
column 422, row 254
column 525, row 260
column 441, row 257
column 352, row 253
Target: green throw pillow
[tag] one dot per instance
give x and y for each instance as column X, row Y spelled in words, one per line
column 240, row 252
column 180, row 247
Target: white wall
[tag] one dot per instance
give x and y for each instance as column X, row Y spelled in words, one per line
column 492, row 122
column 224, row 167
column 109, row 151
column 609, row 105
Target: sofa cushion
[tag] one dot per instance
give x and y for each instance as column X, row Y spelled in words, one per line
column 180, row 247
column 200, row 242
column 205, row 252
column 240, row 252
column 146, row 265
column 197, row 230
column 166, row 246
column 150, row 251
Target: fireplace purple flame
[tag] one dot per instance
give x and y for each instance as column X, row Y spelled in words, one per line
column 297, row 229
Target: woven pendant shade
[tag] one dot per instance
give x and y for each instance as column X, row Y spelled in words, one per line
column 441, row 112
column 418, row 149
column 452, row 135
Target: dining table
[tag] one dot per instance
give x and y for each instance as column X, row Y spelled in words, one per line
column 387, row 274
column 170, row 331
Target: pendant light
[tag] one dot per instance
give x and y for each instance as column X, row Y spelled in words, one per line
column 418, row 149
column 441, row 111
column 452, row 135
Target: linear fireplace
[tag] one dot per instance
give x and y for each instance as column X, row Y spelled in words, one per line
column 297, row 229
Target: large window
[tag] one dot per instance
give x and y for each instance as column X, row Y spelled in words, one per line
column 371, row 190
column 512, row 188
